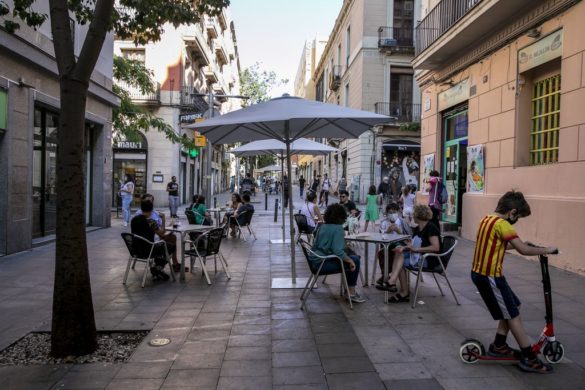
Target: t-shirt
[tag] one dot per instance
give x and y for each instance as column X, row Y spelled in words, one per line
column 315, row 185
column 425, row 234
column 493, row 236
column 173, row 189
column 330, row 240
column 349, row 206
column 243, row 217
column 326, row 185
column 386, row 222
column 143, row 227
column 433, row 201
column 409, row 201
column 307, row 209
column 199, row 209
column 154, row 215
column 302, row 182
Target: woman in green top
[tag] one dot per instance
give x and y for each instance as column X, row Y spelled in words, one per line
column 329, row 240
column 200, row 210
column 372, row 202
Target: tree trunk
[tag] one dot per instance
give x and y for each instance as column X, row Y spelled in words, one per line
column 73, row 326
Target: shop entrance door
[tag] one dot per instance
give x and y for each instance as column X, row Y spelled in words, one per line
column 454, row 163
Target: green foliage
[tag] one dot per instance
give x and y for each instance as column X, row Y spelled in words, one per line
column 410, row 126
column 139, row 20
column 257, row 84
column 265, row 160
column 129, row 120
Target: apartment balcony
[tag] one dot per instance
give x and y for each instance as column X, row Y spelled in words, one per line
column 220, row 52
column 211, row 27
column 400, row 112
column 396, row 40
column 222, row 20
column 139, row 97
column 210, row 72
column 335, row 78
column 190, row 99
column 454, row 27
column 197, row 47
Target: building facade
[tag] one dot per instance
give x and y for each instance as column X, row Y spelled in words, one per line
column 502, row 110
column 29, row 115
column 366, row 65
column 192, row 65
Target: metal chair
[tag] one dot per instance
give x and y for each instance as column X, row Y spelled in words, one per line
column 317, row 271
column 303, row 227
column 130, row 240
column 190, row 214
column 246, row 223
column 211, row 241
column 436, row 267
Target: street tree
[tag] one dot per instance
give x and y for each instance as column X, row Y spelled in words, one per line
column 73, row 323
column 131, row 119
column 257, row 84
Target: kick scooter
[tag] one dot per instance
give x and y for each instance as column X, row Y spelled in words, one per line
column 472, row 350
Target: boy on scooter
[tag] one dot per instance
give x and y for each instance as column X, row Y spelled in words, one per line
column 494, row 236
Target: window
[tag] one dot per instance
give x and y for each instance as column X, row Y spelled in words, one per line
column 347, row 45
column 545, row 115
column 339, row 54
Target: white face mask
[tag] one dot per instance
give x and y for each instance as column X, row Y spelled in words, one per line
column 393, row 217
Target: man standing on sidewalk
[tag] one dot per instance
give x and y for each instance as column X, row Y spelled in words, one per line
column 324, row 196
column 301, row 185
column 173, row 190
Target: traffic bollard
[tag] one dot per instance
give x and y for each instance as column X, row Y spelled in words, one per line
column 266, row 201
column 276, row 210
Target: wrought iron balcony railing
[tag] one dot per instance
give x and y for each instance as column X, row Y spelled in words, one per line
column 190, row 98
column 396, row 38
column 441, row 18
column 137, row 96
column 335, row 78
column 401, row 112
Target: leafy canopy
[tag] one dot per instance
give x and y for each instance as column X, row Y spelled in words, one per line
column 257, row 84
column 139, row 20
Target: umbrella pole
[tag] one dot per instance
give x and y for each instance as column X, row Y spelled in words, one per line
column 282, row 200
column 290, row 206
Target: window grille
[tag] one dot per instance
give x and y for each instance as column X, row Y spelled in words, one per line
column 544, row 133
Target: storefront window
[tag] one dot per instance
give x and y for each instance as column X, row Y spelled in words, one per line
column 130, row 158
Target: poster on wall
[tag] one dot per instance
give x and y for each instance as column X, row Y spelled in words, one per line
column 429, row 165
column 401, row 167
column 475, row 169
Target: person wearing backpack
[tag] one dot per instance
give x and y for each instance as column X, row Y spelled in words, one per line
column 437, row 196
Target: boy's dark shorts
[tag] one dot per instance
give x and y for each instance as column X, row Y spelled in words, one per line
column 499, row 298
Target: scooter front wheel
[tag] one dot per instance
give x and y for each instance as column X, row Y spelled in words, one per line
column 553, row 352
column 471, row 350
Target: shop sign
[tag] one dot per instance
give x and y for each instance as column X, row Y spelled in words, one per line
column 454, row 95
column 541, row 51
column 3, row 109
column 123, row 143
column 190, row 118
column 200, row 141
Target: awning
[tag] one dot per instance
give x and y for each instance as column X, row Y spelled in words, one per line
column 399, row 144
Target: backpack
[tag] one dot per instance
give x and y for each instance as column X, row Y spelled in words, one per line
column 441, row 194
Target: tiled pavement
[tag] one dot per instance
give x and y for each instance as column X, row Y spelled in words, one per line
column 241, row 334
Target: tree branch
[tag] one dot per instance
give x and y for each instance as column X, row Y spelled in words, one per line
column 62, row 42
column 94, row 41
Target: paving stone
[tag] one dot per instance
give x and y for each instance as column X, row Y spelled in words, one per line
column 295, row 345
column 332, row 365
column 198, row 360
column 413, row 384
column 298, row 375
column 144, row 370
column 341, row 350
column 248, row 353
column 246, row 368
column 295, row 359
column 87, row 379
column 249, row 340
column 207, row 377
column 245, row 383
column 215, row 346
column 355, row 381
column 135, row 384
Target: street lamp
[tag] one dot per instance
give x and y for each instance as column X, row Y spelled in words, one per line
column 210, row 114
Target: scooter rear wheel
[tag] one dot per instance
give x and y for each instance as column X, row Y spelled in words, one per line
column 553, row 352
column 471, row 350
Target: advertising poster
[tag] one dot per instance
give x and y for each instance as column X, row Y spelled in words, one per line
column 429, row 165
column 401, row 167
column 475, row 169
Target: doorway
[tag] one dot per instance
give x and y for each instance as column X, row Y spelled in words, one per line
column 455, row 126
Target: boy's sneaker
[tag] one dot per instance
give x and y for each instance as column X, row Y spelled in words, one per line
column 357, row 298
column 503, row 351
column 534, row 365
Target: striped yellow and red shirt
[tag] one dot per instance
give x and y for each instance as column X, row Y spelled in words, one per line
column 493, row 235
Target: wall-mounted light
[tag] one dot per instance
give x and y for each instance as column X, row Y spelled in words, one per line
column 533, row 33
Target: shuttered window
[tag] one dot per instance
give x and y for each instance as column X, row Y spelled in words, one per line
column 546, row 108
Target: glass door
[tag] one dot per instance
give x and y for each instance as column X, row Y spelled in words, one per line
column 455, row 127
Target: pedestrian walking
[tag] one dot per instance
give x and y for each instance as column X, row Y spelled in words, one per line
column 285, row 190
column 325, row 187
column 127, row 193
column 173, row 190
column 435, row 188
column 315, row 184
column 372, row 201
column 301, row 185
column 384, row 189
column 341, row 186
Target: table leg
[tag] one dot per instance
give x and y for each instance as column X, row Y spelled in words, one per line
column 366, row 259
column 385, row 272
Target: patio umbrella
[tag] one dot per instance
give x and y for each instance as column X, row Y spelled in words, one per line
column 287, row 119
column 278, row 149
column 269, row 168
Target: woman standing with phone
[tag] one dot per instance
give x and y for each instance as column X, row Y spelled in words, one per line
column 127, row 193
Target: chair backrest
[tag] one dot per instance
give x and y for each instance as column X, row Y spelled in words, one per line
column 190, row 217
column 214, row 237
column 128, row 240
column 302, row 224
column 306, row 248
column 247, row 219
column 447, row 249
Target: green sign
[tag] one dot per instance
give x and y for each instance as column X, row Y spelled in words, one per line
column 193, row 153
column 3, row 109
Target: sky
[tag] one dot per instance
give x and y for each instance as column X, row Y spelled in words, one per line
column 273, row 32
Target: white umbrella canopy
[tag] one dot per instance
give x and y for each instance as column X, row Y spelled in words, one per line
column 276, row 147
column 287, row 119
column 269, row 168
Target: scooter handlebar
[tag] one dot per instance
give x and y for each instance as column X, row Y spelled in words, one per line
column 556, row 252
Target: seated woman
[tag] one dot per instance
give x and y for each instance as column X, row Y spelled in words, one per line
column 240, row 214
column 233, row 205
column 310, row 210
column 201, row 214
column 329, row 240
column 429, row 236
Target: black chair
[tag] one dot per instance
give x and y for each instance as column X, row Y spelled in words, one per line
column 190, row 214
column 435, row 264
column 316, row 271
column 303, row 227
column 149, row 261
column 247, row 220
column 212, row 242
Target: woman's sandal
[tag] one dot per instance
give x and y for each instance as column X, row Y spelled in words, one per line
column 399, row 299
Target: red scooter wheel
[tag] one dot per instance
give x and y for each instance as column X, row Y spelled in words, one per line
column 553, row 352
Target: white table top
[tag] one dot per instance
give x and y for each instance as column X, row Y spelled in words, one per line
column 377, row 237
column 185, row 227
column 216, row 209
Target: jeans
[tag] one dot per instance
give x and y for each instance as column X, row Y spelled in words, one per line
column 302, row 189
column 173, row 205
column 332, row 266
column 126, row 201
column 324, row 197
